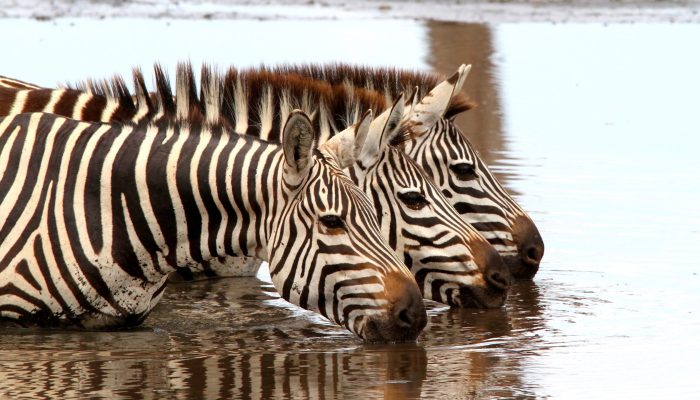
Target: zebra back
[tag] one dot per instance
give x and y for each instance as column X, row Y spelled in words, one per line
column 12, row 83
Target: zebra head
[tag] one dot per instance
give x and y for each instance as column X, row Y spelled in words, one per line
column 452, row 162
column 451, row 262
column 326, row 253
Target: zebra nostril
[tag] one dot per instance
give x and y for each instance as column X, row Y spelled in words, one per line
column 532, row 255
column 496, row 272
column 404, row 318
column 530, row 249
column 499, row 280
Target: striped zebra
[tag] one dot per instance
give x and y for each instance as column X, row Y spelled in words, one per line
column 452, row 263
column 438, row 146
column 448, row 158
column 93, row 217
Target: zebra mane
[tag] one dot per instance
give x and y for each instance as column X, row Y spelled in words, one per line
column 387, row 80
column 253, row 101
column 331, row 107
column 114, row 89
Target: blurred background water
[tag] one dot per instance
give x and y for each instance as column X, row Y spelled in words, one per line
column 593, row 127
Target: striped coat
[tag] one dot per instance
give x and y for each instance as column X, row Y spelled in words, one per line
column 452, row 263
column 94, row 216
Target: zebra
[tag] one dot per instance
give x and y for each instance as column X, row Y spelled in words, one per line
column 446, row 155
column 452, row 263
column 438, row 146
column 94, row 216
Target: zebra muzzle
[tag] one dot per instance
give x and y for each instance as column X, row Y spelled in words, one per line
column 404, row 317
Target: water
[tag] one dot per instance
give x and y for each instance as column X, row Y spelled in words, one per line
column 593, row 127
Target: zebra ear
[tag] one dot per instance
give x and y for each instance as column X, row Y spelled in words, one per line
column 361, row 132
column 345, row 146
column 411, row 102
column 433, row 106
column 298, row 140
column 382, row 131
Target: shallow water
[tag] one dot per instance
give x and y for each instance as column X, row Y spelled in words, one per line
column 593, row 127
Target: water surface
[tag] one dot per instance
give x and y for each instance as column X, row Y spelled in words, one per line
column 593, row 127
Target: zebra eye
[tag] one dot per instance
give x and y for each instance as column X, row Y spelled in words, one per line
column 463, row 171
column 414, row 200
column 332, row 222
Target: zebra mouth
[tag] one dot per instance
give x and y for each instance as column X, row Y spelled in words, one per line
column 376, row 330
column 480, row 297
column 521, row 267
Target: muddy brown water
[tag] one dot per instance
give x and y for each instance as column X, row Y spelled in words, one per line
column 594, row 129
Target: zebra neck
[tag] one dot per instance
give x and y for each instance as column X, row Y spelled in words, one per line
column 201, row 194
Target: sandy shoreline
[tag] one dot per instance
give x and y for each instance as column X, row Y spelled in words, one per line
column 480, row 11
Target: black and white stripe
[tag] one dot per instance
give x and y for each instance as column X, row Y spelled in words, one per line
column 94, row 216
column 452, row 263
column 437, row 144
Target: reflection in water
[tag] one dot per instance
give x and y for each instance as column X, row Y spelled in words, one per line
column 296, row 372
column 482, row 352
column 77, row 365
column 236, row 338
column 453, row 44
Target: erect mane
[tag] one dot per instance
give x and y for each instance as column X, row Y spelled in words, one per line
column 387, row 80
column 149, row 106
column 253, row 101
column 114, row 89
column 331, row 107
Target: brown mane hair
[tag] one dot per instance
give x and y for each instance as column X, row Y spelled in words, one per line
column 387, row 80
column 342, row 105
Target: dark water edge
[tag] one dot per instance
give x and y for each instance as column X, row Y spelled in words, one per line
column 594, row 130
